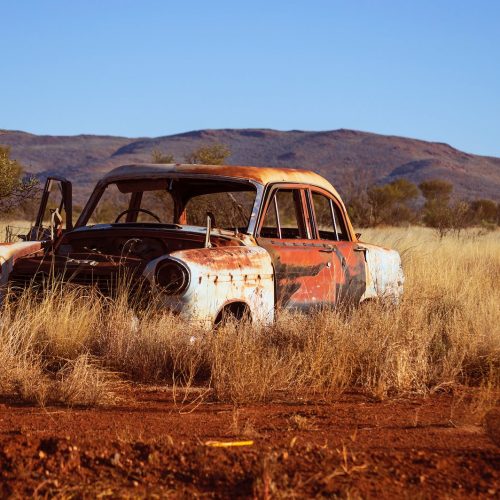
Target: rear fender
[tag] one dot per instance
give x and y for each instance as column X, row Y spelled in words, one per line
column 384, row 274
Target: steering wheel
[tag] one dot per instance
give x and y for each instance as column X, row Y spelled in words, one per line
column 121, row 214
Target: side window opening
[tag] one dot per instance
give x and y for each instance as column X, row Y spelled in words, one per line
column 342, row 234
column 284, row 217
column 329, row 221
column 270, row 227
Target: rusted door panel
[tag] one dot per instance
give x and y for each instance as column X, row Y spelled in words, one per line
column 330, row 226
column 350, row 276
column 304, row 273
column 310, row 275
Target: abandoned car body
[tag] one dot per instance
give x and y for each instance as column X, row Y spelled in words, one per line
column 207, row 240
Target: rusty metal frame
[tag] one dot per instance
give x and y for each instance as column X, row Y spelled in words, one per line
column 310, row 214
column 303, row 219
column 262, row 178
column 133, row 206
column 261, row 175
column 314, row 221
column 276, row 213
column 334, row 219
column 103, row 183
column 299, row 206
column 65, row 188
column 345, row 219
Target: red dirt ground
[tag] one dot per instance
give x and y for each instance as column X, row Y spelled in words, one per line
column 152, row 447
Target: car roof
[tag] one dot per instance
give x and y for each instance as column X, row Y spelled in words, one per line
column 261, row 175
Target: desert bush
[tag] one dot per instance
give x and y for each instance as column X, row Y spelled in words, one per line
column 16, row 189
column 398, row 203
column 158, row 157
column 28, row 375
column 62, row 321
column 210, row 154
column 483, row 211
column 391, row 203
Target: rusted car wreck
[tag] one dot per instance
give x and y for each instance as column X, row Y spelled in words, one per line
column 206, row 241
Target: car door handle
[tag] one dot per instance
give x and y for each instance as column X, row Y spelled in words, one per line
column 359, row 249
column 326, row 250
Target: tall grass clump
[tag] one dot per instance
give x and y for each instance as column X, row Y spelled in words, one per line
column 69, row 344
column 154, row 346
column 46, row 340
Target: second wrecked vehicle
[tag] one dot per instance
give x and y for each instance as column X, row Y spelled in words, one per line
column 207, row 241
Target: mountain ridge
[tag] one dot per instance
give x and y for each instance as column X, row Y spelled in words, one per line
column 343, row 156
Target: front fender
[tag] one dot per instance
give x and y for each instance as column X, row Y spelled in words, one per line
column 219, row 276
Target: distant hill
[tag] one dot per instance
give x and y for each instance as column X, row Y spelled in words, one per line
column 342, row 156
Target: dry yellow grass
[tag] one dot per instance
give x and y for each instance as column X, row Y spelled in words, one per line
column 18, row 226
column 444, row 334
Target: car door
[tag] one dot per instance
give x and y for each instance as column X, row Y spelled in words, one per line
column 330, row 228
column 302, row 266
column 55, row 210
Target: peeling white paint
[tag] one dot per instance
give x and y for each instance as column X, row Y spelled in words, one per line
column 219, row 276
column 384, row 274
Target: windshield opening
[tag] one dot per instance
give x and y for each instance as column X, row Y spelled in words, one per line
column 176, row 201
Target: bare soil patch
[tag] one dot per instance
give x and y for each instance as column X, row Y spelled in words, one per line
column 151, row 444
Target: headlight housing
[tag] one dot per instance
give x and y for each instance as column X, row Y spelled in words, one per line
column 172, row 277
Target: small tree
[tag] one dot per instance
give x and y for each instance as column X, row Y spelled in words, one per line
column 391, row 202
column 15, row 188
column 436, row 190
column 437, row 212
column 483, row 211
column 215, row 154
column 359, row 210
column 159, row 157
column 354, row 191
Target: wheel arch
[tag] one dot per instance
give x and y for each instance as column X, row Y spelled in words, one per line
column 239, row 309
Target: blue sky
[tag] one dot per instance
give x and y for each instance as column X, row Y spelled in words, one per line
column 417, row 68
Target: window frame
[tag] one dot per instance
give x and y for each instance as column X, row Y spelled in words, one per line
column 334, row 203
column 303, row 220
column 95, row 197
